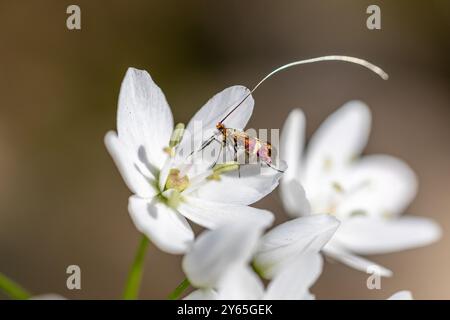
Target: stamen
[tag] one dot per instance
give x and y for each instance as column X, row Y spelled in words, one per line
column 222, row 168
column 175, row 139
column 169, row 151
column 357, row 213
column 327, row 164
column 338, row 187
column 177, row 135
column 176, row 181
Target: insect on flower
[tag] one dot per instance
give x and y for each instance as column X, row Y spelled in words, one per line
column 236, row 140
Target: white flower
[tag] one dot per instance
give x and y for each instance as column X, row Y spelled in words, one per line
column 166, row 189
column 218, row 264
column 291, row 241
column 401, row 295
column 291, row 283
column 367, row 194
column 218, row 253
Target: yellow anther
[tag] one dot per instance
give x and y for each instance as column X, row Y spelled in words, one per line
column 327, row 164
column 223, row 168
column 214, row 176
column 176, row 181
column 177, row 135
column 338, row 187
column 357, row 213
column 169, row 151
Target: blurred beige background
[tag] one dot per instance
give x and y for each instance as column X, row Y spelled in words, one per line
column 62, row 200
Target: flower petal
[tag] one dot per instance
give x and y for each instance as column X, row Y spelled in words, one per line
column 292, row 240
column 340, row 138
column 135, row 179
column 243, row 190
column 354, row 261
column 292, row 143
column 211, row 214
column 144, row 119
column 216, row 252
column 294, row 198
column 202, row 294
column 166, row 228
column 401, row 295
column 203, row 124
column 294, row 280
column 221, row 104
column 164, row 173
column 241, row 283
column 378, row 236
column 377, row 185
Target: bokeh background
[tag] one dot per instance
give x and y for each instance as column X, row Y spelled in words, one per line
column 62, row 200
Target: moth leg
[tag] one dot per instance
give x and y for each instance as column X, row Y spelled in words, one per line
column 222, row 145
column 235, row 148
column 205, row 143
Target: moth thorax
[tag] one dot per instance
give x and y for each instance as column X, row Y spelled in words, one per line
column 220, row 126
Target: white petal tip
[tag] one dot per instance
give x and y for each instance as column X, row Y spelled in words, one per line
column 109, row 136
column 358, row 107
column 297, row 115
column 401, row 295
column 379, row 271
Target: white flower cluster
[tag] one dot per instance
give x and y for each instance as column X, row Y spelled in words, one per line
column 341, row 204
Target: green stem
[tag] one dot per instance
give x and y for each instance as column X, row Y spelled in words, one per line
column 13, row 289
column 179, row 290
column 135, row 276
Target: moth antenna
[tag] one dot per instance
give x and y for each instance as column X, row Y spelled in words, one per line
column 353, row 60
